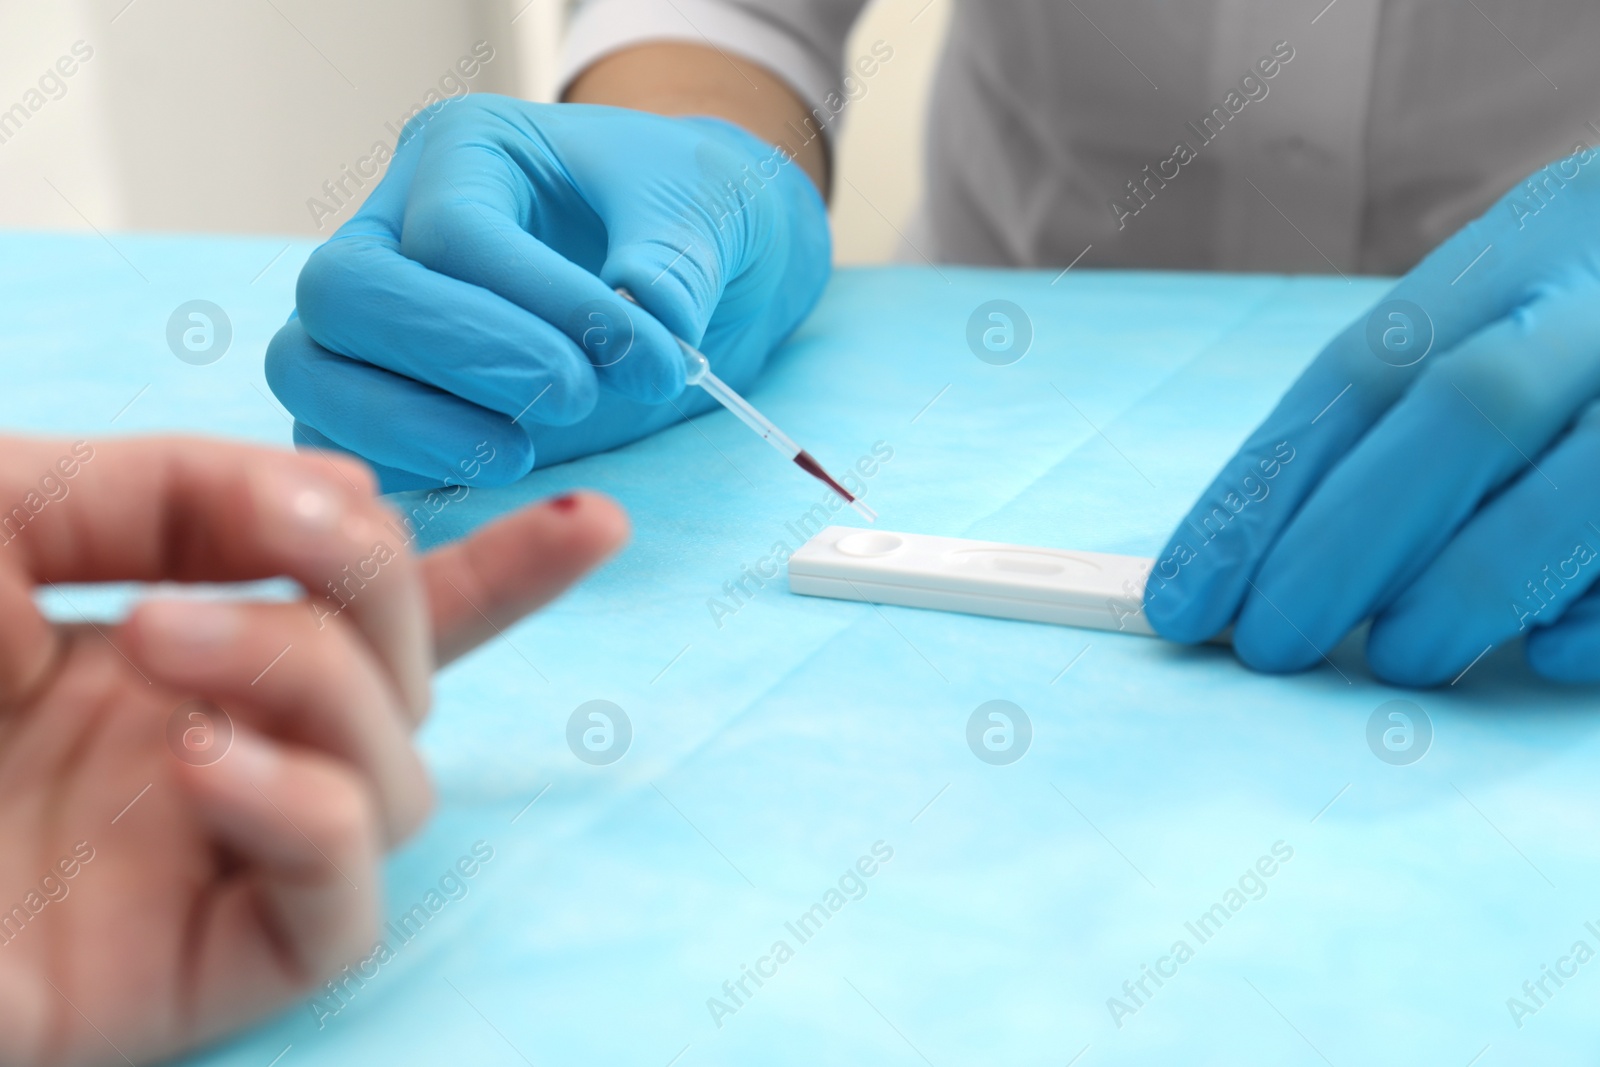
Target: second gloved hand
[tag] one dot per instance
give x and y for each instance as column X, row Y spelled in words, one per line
column 469, row 302
column 1436, row 470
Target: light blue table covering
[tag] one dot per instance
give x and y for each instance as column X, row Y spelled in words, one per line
column 774, row 752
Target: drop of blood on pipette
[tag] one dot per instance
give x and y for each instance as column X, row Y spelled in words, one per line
column 806, row 463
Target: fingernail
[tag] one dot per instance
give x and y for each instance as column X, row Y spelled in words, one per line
column 296, row 510
column 565, row 502
column 253, row 757
column 177, row 632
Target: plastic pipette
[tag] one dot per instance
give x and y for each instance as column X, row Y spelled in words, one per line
column 697, row 371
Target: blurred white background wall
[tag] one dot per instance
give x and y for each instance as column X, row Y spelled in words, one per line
column 230, row 115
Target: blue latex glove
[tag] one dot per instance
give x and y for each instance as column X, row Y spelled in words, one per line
column 467, row 309
column 1435, row 470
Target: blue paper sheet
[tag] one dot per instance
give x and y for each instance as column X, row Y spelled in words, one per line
column 1385, row 913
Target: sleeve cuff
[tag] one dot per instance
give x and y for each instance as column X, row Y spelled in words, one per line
column 602, row 27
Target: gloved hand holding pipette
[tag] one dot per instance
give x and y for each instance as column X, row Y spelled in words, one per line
column 458, row 304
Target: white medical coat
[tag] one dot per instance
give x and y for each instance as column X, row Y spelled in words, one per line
column 1149, row 129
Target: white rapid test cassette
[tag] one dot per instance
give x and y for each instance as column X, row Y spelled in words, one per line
column 1085, row 589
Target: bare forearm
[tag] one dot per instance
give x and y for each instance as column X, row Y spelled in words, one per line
column 689, row 79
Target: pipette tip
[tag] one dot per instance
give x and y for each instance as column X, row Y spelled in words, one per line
column 806, row 462
column 758, row 422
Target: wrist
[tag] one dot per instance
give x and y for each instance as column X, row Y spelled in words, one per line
column 800, row 218
column 679, row 80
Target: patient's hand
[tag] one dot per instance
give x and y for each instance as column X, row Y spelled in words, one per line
column 149, row 902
